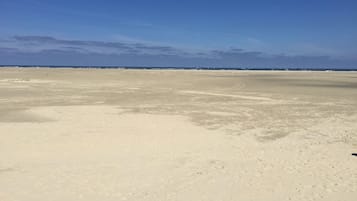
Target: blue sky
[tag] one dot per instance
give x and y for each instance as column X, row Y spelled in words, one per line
column 281, row 33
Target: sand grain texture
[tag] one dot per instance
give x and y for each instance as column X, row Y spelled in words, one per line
column 90, row 134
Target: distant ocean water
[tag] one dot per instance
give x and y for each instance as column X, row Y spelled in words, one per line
column 185, row 68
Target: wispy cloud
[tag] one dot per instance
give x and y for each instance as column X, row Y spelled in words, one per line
column 50, row 50
column 45, row 42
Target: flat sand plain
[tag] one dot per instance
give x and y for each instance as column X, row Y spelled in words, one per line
column 177, row 135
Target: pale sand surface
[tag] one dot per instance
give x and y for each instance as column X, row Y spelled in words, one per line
column 91, row 134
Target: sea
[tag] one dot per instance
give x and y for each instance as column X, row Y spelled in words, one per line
column 187, row 68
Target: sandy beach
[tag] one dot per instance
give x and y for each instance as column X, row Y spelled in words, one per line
column 177, row 135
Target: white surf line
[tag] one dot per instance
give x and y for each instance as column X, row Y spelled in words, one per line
column 227, row 95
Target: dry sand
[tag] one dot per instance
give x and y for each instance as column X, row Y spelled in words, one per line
column 109, row 135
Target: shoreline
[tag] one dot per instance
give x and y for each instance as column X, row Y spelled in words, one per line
column 184, row 68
